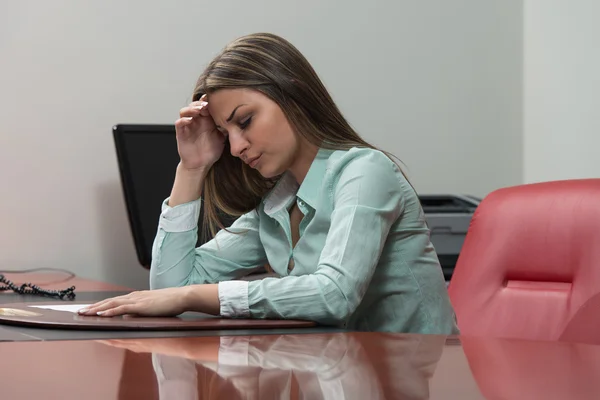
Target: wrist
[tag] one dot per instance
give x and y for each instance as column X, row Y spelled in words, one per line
column 188, row 298
column 202, row 298
column 188, row 185
column 198, row 172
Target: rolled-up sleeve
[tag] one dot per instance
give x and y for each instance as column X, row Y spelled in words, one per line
column 231, row 254
column 366, row 200
column 233, row 297
column 181, row 218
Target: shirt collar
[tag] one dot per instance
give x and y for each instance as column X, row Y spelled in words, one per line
column 287, row 188
column 311, row 186
column 282, row 195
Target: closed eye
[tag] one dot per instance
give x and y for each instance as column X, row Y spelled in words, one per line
column 245, row 123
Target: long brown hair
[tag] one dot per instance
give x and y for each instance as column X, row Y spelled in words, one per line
column 271, row 65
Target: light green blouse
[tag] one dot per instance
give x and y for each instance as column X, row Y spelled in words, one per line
column 364, row 260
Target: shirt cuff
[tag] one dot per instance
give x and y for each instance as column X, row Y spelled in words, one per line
column 181, row 218
column 233, row 350
column 233, row 296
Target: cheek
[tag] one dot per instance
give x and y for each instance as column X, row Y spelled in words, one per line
column 280, row 159
column 288, row 146
column 289, row 137
column 280, row 138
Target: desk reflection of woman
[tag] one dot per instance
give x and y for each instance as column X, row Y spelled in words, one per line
column 337, row 366
column 333, row 217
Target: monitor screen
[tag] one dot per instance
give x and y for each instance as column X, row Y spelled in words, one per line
column 147, row 157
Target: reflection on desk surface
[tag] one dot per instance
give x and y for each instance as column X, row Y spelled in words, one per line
column 306, row 366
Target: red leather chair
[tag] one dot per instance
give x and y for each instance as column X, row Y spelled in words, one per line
column 531, row 262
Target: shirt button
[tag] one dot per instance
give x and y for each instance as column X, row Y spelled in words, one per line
column 301, row 203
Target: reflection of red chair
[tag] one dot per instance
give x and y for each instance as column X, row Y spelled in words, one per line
column 530, row 262
column 584, row 327
column 519, row 369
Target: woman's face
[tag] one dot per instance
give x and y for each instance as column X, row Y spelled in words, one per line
column 257, row 130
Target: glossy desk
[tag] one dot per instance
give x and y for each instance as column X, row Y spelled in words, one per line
column 308, row 366
column 294, row 366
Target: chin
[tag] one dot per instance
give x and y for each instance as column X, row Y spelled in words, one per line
column 269, row 172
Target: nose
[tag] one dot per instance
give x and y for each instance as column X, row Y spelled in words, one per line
column 237, row 144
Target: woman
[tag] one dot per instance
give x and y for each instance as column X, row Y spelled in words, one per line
column 333, row 217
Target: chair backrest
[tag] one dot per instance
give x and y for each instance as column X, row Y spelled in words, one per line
column 530, row 261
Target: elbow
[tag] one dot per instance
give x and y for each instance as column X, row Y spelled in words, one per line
column 161, row 278
column 167, row 271
column 339, row 319
column 334, row 316
column 173, row 257
column 163, row 281
column 338, row 306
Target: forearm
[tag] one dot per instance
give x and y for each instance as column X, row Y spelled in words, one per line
column 177, row 262
column 173, row 256
column 187, row 186
column 202, row 298
column 313, row 297
column 173, row 250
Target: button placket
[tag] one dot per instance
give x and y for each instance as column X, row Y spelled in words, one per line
column 305, row 216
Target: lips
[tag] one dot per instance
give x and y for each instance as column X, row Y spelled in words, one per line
column 253, row 161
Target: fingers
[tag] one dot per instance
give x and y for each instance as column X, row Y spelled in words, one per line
column 110, row 299
column 188, row 114
column 195, row 109
column 183, row 122
column 198, row 102
column 110, row 309
column 104, row 305
column 118, row 310
column 93, row 309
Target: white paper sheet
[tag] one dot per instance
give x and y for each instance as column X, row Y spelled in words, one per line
column 62, row 307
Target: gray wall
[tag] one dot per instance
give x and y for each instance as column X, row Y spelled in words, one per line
column 562, row 90
column 438, row 83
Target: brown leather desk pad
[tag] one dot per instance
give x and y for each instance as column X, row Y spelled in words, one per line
column 39, row 332
column 21, row 314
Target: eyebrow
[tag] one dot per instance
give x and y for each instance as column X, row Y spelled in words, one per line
column 231, row 115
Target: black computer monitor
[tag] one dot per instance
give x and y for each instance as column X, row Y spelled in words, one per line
column 147, row 157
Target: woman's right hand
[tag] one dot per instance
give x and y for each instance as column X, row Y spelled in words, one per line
column 199, row 142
